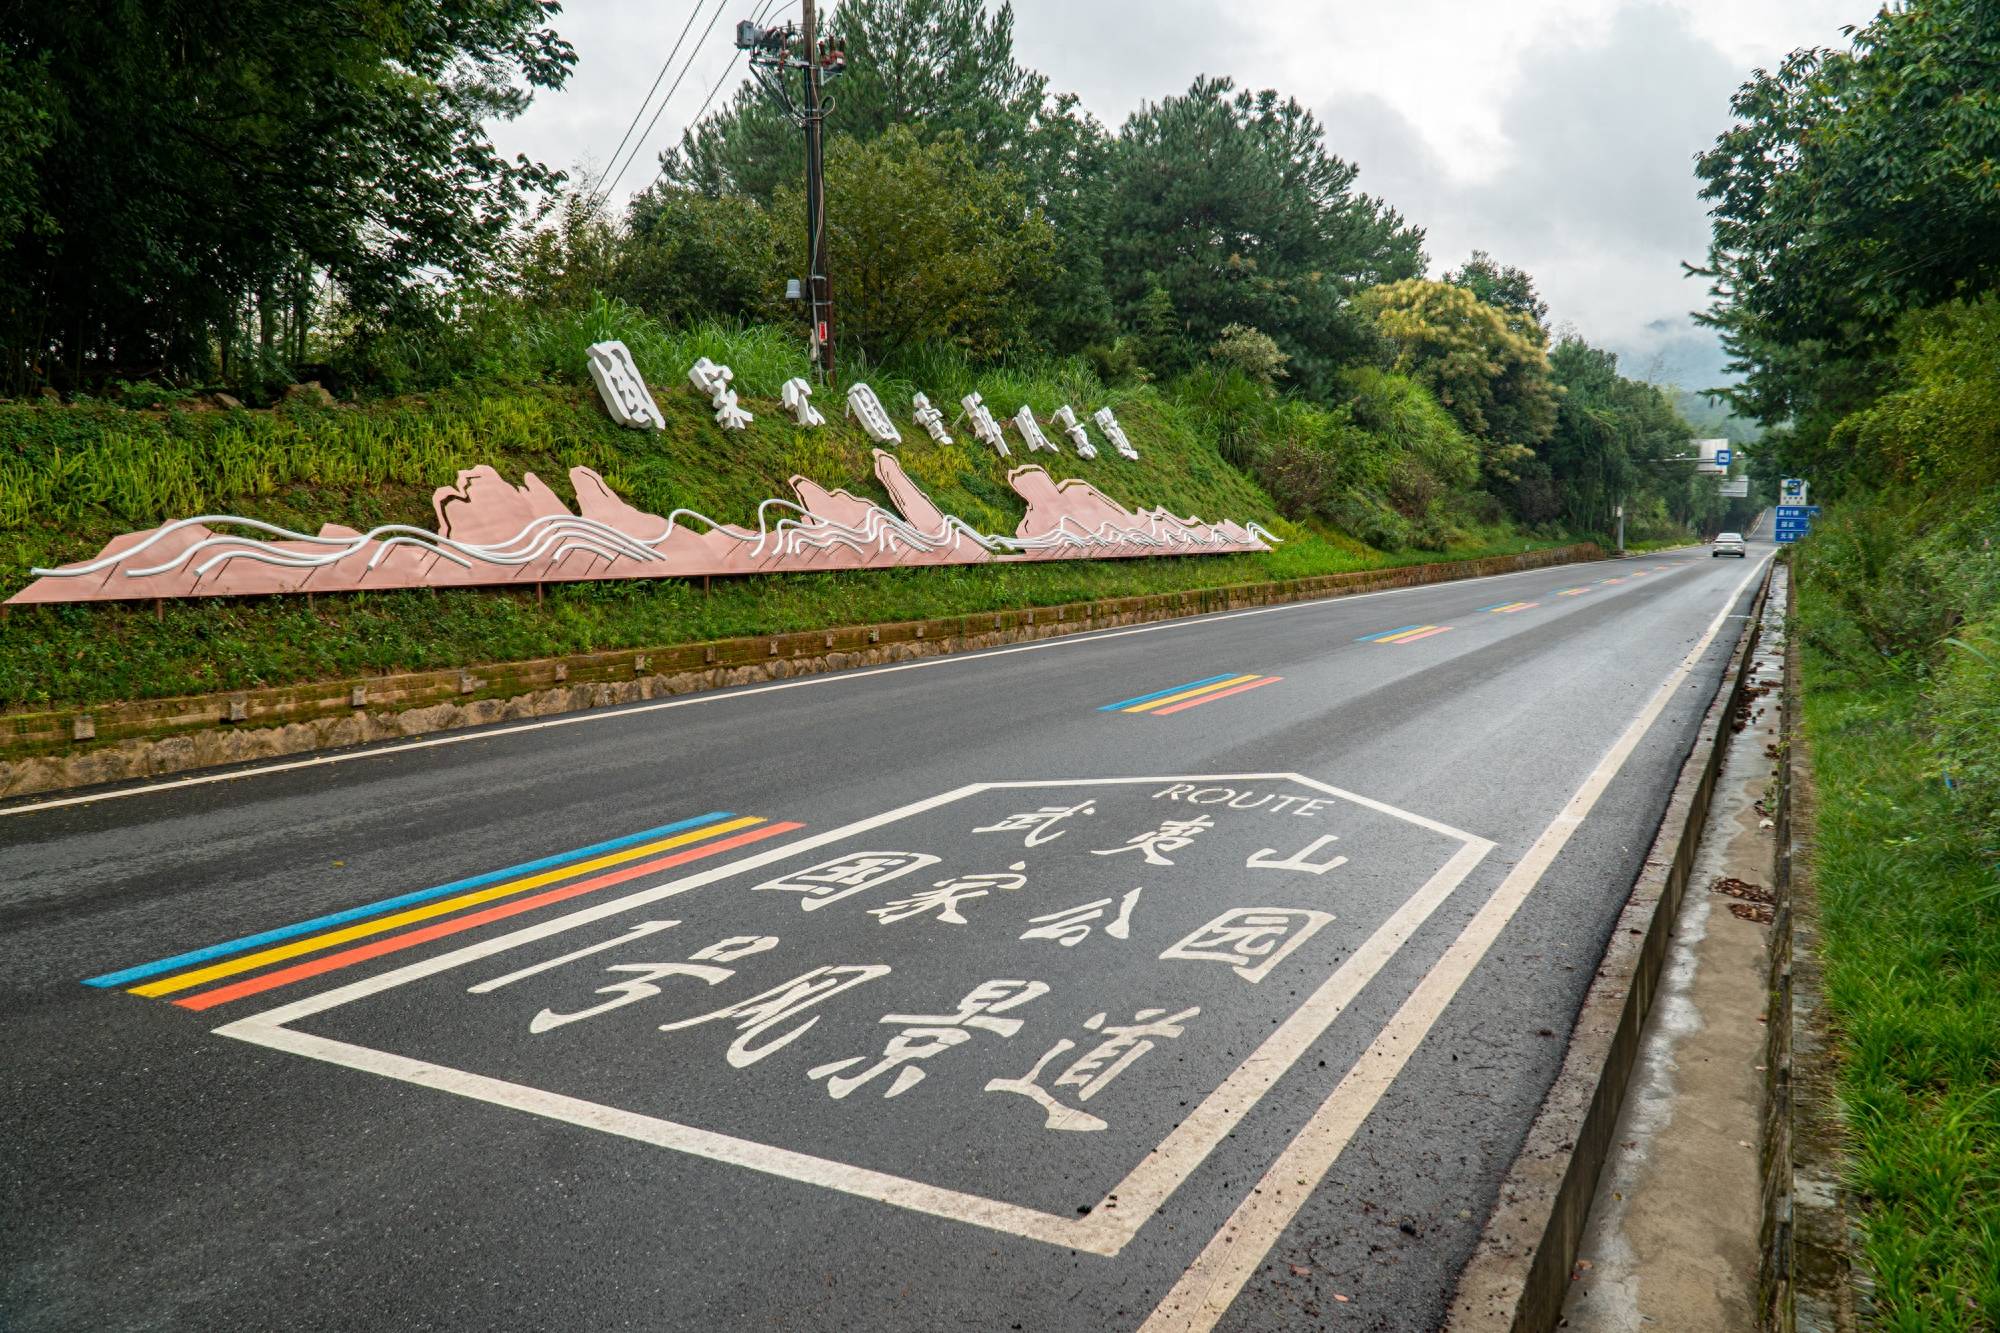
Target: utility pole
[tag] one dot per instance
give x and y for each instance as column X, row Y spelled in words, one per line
column 819, row 288
column 774, row 53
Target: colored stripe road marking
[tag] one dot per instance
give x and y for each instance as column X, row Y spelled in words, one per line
column 181, row 960
column 1378, row 637
column 1224, row 694
column 1499, row 606
column 1572, row 592
column 1161, row 694
column 184, row 980
column 408, row 939
column 1424, row 633
column 1518, row 606
column 1189, row 694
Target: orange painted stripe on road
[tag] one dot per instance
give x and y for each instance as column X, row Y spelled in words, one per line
column 443, row 907
column 375, row 949
column 1209, row 699
column 1189, row 694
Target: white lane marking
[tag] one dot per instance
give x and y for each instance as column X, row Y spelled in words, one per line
column 912, row 1194
column 1104, row 1231
column 720, row 696
column 1211, row 1283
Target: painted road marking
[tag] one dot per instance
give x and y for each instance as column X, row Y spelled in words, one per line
column 705, row 836
column 1572, row 592
column 1407, row 634
column 1211, row 1284
column 1509, row 608
column 1256, row 683
column 1161, row 694
column 1180, row 692
column 1133, row 1198
column 717, row 696
column 298, row 928
column 410, row 939
column 409, row 916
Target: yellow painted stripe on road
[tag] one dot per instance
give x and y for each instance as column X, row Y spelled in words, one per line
column 1189, row 694
column 1418, row 632
column 313, row 943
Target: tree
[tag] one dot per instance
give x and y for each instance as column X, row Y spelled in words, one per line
column 1251, row 351
column 204, row 159
column 1855, row 185
column 1505, row 287
column 1608, row 431
column 1063, row 161
column 688, row 257
column 1486, row 365
column 933, row 67
column 1230, row 203
column 925, row 244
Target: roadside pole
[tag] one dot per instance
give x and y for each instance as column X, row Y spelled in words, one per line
column 818, row 287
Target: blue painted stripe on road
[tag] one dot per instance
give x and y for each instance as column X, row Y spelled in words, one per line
column 180, row 960
column 1403, row 629
column 1497, row 605
column 1161, row 694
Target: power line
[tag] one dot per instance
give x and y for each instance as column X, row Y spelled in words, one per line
column 727, row 71
column 648, row 99
column 640, row 142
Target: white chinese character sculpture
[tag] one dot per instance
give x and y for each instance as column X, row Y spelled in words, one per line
column 796, row 395
column 930, row 418
column 1114, row 432
column 865, row 407
column 1031, row 430
column 984, row 428
column 713, row 380
column 1065, row 418
column 624, row 393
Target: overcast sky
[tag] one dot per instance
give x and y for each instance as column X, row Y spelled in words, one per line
column 1557, row 134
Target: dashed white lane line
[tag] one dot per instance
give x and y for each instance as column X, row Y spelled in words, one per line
column 718, row 696
column 1212, row 1282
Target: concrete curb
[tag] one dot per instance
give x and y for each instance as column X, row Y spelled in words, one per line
column 60, row 748
column 1518, row 1275
column 1806, row 1279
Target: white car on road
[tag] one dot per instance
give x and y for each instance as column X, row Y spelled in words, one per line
column 1729, row 543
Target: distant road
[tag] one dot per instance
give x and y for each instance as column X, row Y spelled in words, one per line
column 1200, row 974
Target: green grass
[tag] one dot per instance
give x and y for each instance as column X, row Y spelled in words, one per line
column 73, row 477
column 1911, row 914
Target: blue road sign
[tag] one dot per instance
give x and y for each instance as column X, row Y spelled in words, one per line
column 1722, row 457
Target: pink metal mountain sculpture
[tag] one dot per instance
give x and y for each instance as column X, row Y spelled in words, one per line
column 490, row 532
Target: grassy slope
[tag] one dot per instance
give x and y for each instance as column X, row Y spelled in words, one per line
column 1912, row 950
column 1899, row 631
column 72, row 477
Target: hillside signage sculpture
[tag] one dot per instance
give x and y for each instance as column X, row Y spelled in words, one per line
column 492, row 533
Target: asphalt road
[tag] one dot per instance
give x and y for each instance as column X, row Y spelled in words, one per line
column 949, row 995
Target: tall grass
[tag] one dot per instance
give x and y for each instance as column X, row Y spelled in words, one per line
column 1899, row 622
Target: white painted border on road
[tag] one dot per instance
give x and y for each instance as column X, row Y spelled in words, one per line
column 1103, row 1231
column 1211, row 1284
column 376, row 751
